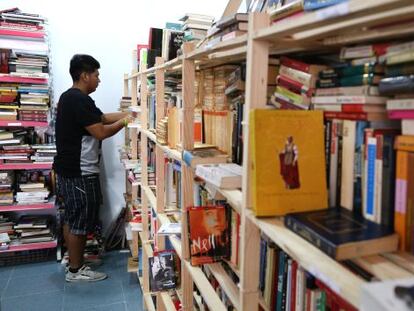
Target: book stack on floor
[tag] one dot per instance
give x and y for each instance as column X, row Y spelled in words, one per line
column 295, row 84
column 32, row 187
column 43, row 153
column 33, row 229
column 6, row 187
column 195, row 26
column 399, row 83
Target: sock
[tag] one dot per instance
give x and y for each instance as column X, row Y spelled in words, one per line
column 74, row 270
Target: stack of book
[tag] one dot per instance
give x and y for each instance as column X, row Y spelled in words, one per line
column 34, row 229
column 32, row 187
column 8, row 101
column 399, row 83
column 4, row 241
column 44, row 153
column 221, row 75
column 195, row 26
column 228, row 28
column 6, row 226
column 6, row 184
column 295, row 84
column 34, row 106
column 14, row 22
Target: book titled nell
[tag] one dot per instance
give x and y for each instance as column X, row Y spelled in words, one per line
column 342, row 234
column 288, row 161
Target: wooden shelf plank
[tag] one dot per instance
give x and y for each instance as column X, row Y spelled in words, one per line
column 146, row 244
column 233, row 197
column 403, row 260
column 150, row 196
column 312, row 259
column 382, row 268
column 167, row 301
column 322, row 17
column 148, row 302
column 226, row 283
column 263, row 304
column 207, row 291
column 171, row 153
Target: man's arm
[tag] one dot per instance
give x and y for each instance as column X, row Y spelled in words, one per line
column 110, row 118
column 101, row 131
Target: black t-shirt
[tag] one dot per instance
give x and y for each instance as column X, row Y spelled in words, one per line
column 78, row 152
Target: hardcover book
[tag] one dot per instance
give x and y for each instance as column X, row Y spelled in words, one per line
column 288, row 162
column 209, row 234
column 342, row 234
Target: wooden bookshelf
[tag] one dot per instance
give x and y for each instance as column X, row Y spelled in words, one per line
column 320, row 30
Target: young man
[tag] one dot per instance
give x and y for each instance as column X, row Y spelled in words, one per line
column 80, row 128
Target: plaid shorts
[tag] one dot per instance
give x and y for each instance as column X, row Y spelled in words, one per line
column 82, row 198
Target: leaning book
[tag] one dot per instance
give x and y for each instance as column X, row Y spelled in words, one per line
column 342, row 234
column 209, row 234
column 163, row 271
column 288, row 161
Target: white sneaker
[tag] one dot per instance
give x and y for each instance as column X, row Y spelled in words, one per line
column 85, row 274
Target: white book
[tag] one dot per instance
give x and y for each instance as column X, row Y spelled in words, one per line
column 225, row 176
column 170, row 228
column 407, row 127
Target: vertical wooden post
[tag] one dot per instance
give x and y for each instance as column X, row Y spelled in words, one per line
column 159, row 153
column 159, row 156
column 187, row 174
column 126, row 132
column 144, row 177
column 256, row 90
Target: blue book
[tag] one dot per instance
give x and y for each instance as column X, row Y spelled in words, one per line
column 311, row 5
column 358, row 164
column 342, row 234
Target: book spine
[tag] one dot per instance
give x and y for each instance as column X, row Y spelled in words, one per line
column 281, row 269
column 295, row 98
column 328, row 138
column 297, row 75
column 348, row 160
column 400, row 222
column 358, row 165
column 370, row 178
column 388, row 182
column 400, row 104
column 311, row 5
column 400, row 58
column 293, row 85
column 405, row 143
column 293, row 286
column 333, row 165
column 378, row 178
column 310, row 236
column 295, row 64
column 410, row 204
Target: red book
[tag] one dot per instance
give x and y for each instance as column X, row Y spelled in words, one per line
column 363, row 108
column 342, row 303
column 364, row 116
column 298, row 65
column 293, row 85
column 401, row 114
column 19, row 33
column 209, row 234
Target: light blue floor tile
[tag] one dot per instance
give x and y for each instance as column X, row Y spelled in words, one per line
column 51, row 301
column 83, row 296
column 121, row 306
column 21, row 286
column 5, row 273
column 134, row 301
column 36, row 269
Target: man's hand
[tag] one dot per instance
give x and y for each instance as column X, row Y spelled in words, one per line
column 110, row 118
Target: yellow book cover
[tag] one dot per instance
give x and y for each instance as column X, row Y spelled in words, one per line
column 288, row 161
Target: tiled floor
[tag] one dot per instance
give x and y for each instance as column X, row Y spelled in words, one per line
column 42, row 287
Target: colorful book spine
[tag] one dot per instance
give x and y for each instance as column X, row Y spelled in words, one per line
column 400, row 220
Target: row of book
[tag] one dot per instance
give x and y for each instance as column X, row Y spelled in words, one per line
column 285, row 285
column 24, row 67
column 26, row 187
column 27, row 229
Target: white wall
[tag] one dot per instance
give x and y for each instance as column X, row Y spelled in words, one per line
column 109, row 31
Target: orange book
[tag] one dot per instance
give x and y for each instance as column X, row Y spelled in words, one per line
column 405, row 142
column 288, row 161
column 400, row 219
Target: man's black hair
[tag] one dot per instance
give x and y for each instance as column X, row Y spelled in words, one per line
column 82, row 63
